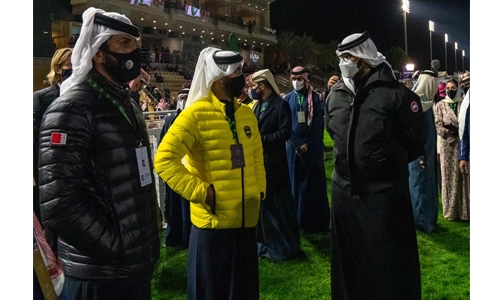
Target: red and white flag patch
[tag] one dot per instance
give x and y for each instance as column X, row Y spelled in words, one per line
column 58, row 138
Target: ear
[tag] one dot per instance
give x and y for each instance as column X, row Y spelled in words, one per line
column 98, row 57
column 58, row 70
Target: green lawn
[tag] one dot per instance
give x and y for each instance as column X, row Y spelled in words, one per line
column 444, row 263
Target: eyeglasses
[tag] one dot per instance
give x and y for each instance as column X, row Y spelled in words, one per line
column 345, row 57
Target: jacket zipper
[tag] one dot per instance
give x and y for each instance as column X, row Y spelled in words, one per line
column 349, row 125
column 242, row 192
column 242, row 198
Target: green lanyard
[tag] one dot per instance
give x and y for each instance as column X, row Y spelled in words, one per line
column 118, row 105
column 263, row 107
column 232, row 124
column 300, row 99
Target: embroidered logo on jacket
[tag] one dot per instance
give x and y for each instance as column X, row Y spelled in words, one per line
column 414, row 106
column 58, row 138
column 248, row 131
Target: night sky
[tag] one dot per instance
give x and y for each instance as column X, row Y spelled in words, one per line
column 327, row 20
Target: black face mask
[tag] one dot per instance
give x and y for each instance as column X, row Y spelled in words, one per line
column 236, row 85
column 451, row 94
column 66, row 74
column 124, row 67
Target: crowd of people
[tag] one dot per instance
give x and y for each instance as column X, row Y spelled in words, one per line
column 243, row 167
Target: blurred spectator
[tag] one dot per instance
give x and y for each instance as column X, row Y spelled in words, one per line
column 305, row 154
column 454, row 186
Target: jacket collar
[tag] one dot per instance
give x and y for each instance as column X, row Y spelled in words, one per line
column 220, row 105
column 120, row 92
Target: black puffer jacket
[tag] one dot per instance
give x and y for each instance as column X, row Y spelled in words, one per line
column 377, row 131
column 41, row 100
column 90, row 191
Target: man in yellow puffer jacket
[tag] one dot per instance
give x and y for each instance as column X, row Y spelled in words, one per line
column 212, row 156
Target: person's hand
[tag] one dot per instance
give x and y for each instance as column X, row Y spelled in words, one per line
column 210, row 199
column 464, row 167
column 136, row 84
column 423, row 161
column 144, row 105
column 333, row 80
column 302, row 149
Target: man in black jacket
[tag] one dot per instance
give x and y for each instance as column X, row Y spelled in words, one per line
column 278, row 235
column 60, row 69
column 97, row 190
column 377, row 127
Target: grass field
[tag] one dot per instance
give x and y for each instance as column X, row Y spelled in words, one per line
column 444, row 263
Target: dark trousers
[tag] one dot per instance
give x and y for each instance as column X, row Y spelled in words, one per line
column 137, row 288
column 223, row 264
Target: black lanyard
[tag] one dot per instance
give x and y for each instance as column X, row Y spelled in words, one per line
column 118, row 105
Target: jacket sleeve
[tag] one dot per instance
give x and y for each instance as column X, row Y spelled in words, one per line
column 37, row 114
column 410, row 123
column 68, row 207
column 260, row 171
column 177, row 142
column 329, row 114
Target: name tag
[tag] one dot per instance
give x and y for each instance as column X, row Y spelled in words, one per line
column 143, row 164
column 301, row 116
column 237, row 157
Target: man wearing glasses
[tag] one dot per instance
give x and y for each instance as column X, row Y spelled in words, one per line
column 377, row 127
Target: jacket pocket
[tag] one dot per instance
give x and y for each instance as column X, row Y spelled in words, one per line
column 215, row 200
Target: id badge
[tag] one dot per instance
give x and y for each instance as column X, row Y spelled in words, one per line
column 237, row 157
column 301, row 116
column 143, row 163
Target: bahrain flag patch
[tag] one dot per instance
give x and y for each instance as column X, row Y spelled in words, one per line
column 58, row 138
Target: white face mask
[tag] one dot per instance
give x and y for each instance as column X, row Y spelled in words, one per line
column 349, row 69
column 298, row 85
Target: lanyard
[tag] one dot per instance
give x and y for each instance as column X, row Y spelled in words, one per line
column 118, row 105
column 232, row 126
column 300, row 99
column 263, row 107
column 232, row 123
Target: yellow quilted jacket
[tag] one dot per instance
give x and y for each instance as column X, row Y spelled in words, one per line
column 202, row 134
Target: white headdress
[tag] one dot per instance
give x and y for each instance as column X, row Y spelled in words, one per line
column 266, row 75
column 207, row 71
column 360, row 45
column 426, row 87
column 92, row 36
